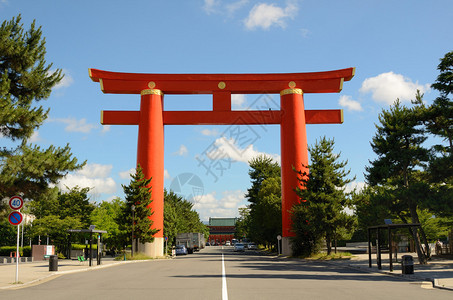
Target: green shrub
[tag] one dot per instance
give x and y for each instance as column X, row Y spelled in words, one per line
column 7, row 250
column 82, row 246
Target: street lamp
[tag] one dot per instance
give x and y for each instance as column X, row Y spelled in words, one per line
column 133, row 221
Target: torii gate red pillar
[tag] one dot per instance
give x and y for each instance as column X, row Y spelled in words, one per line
column 294, row 154
column 151, row 120
column 150, row 156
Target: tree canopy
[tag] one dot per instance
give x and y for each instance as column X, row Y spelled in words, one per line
column 138, row 194
column 265, row 216
column 180, row 217
column 324, row 199
column 27, row 79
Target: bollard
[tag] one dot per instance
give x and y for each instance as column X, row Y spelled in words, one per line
column 53, row 263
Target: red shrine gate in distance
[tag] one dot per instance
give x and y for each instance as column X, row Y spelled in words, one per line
column 151, row 119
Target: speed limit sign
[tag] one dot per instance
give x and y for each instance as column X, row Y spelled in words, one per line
column 16, row 202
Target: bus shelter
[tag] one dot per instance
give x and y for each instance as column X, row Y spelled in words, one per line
column 379, row 234
column 91, row 230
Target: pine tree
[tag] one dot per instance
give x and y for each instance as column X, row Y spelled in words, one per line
column 138, row 193
column 264, row 195
column 397, row 170
column 321, row 212
column 26, row 79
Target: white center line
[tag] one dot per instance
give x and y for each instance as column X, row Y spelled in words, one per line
column 224, row 284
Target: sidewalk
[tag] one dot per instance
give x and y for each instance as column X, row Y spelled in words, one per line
column 35, row 272
column 439, row 271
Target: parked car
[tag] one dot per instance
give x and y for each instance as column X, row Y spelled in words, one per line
column 239, row 247
column 228, row 243
column 251, row 246
column 181, row 250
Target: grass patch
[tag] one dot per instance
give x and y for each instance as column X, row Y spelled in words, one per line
column 137, row 256
column 324, row 256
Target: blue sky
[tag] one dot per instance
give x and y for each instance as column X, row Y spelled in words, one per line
column 395, row 47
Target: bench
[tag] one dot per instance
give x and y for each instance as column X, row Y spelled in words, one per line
column 81, row 259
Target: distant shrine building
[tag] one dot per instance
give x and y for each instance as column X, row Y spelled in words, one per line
column 221, row 230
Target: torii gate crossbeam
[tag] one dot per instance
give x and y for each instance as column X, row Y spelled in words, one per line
column 151, row 119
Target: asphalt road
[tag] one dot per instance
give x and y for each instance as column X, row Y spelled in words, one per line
column 246, row 276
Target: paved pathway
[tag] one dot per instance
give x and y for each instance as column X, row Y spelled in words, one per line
column 36, row 272
column 438, row 271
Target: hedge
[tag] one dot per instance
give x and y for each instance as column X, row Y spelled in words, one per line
column 7, row 250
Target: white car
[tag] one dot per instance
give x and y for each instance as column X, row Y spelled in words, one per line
column 228, row 243
column 251, row 246
column 239, row 247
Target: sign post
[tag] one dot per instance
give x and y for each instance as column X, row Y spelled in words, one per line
column 15, row 218
column 279, row 237
column 166, row 246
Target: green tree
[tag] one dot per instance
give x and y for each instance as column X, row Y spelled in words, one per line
column 180, row 217
column 56, row 229
column 242, row 223
column 397, row 170
column 265, row 200
column 58, row 211
column 138, row 193
column 26, row 79
column 104, row 216
column 76, row 203
column 321, row 212
column 438, row 121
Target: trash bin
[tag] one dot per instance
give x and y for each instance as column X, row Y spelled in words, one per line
column 53, row 263
column 407, row 264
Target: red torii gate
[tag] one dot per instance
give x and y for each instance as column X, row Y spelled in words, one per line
column 151, row 119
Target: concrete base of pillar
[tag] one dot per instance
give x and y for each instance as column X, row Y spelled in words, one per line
column 286, row 246
column 154, row 249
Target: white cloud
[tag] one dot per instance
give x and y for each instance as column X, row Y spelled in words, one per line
column 234, row 6
column 74, row 125
column 266, row 15
column 226, row 205
column 65, row 82
column 387, row 87
column 216, row 6
column 238, row 101
column 210, row 6
column 227, row 148
column 35, row 137
column 127, row 174
column 358, row 185
column 105, row 128
column 210, row 132
column 349, row 103
column 94, row 176
column 166, row 174
column 95, row 170
column 182, row 151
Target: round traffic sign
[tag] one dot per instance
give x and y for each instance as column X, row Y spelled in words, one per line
column 279, row 237
column 16, row 202
column 15, row 218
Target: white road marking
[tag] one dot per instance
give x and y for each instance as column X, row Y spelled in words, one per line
column 224, row 284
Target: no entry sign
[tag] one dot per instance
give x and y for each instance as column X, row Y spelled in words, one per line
column 16, row 202
column 15, row 218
